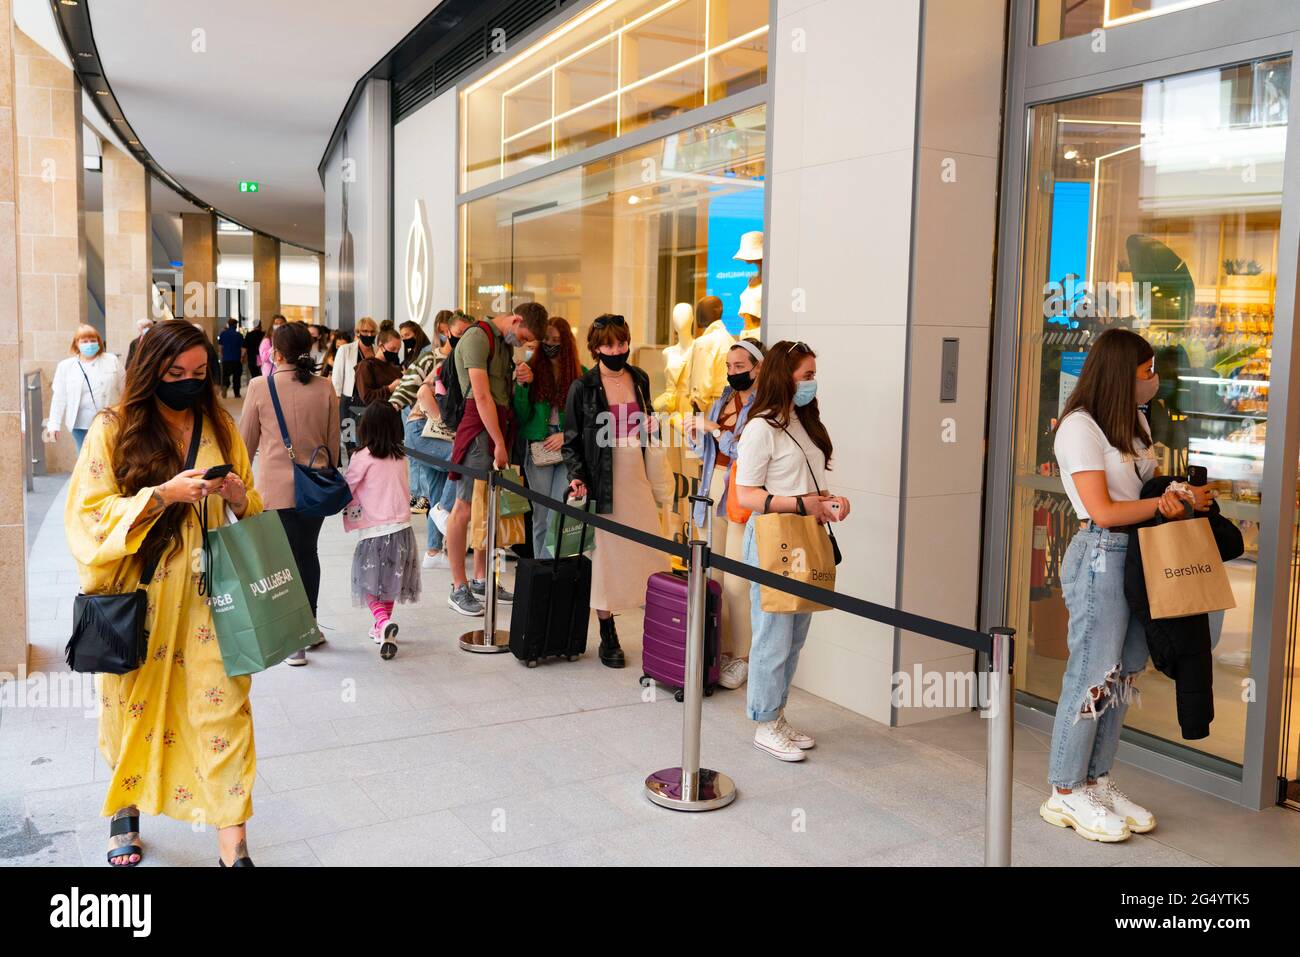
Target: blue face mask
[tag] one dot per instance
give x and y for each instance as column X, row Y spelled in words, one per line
column 88, row 349
column 805, row 392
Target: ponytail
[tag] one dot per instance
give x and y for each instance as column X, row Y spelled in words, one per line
column 293, row 341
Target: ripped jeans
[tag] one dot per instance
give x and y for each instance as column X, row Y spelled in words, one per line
column 1108, row 650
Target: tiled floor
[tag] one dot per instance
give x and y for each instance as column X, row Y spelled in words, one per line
column 444, row 757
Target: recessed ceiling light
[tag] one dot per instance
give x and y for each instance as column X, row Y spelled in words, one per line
column 134, row 142
column 101, row 92
column 68, row 3
column 88, row 56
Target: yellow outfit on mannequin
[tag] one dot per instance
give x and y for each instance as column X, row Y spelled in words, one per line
column 708, row 365
column 177, row 732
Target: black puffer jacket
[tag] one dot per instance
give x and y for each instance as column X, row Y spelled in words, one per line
column 1180, row 647
column 586, row 419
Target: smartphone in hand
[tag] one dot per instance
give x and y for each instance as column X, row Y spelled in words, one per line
column 217, row 472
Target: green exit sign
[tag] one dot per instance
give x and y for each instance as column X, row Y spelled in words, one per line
column 247, row 186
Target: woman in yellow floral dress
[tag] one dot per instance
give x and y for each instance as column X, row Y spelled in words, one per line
column 177, row 732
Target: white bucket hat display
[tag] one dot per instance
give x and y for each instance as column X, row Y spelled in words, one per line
column 751, row 248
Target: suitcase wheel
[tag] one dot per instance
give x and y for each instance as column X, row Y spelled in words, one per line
column 679, row 696
column 532, row 662
column 708, row 691
column 574, row 657
column 645, row 681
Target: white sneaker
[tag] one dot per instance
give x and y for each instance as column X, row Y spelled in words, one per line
column 802, row 741
column 374, row 634
column 734, row 672
column 1083, row 810
column 772, row 738
column 439, row 515
column 1138, row 818
column 435, row 561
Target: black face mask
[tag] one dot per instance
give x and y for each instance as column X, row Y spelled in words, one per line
column 550, row 349
column 393, row 357
column 453, row 340
column 740, row 381
column 367, row 341
column 181, row 395
column 614, row 363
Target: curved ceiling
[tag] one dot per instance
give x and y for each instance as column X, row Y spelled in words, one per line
column 245, row 90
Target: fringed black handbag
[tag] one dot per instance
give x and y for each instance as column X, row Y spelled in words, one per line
column 108, row 632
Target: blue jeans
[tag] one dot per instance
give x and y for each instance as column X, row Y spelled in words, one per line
column 436, row 484
column 774, row 656
column 550, row 480
column 421, row 474
column 1108, row 649
column 79, row 436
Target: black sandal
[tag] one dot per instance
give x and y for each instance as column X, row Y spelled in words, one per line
column 239, row 862
column 126, row 824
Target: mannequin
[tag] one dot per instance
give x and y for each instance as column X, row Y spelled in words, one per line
column 708, row 365
column 675, row 399
column 751, row 300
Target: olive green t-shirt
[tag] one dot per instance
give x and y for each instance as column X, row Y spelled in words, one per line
column 472, row 353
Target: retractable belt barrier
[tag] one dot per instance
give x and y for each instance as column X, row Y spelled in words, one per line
column 693, row 788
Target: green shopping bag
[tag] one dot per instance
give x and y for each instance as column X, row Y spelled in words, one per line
column 512, row 503
column 259, row 606
column 569, row 532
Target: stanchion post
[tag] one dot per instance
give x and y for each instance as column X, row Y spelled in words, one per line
column 691, row 787
column 1001, row 730
column 488, row 640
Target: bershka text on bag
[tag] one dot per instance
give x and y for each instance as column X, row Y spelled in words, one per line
column 1200, row 568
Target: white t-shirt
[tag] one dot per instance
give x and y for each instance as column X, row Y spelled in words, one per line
column 1081, row 446
column 770, row 458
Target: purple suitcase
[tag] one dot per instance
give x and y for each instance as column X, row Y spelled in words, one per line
column 663, row 651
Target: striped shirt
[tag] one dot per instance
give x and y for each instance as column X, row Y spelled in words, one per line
column 413, row 378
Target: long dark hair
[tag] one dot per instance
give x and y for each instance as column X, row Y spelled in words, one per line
column 774, row 394
column 293, row 341
column 1106, row 389
column 381, row 431
column 418, row 344
column 552, row 377
column 145, row 453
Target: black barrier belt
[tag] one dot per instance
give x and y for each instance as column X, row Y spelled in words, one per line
column 955, row 634
column 907, row 621
column 447, row 465
column 657, row 542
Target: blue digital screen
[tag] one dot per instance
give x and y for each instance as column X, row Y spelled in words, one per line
column 730, row 217
column 1068, row 253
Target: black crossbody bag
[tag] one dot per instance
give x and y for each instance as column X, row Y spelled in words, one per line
column 109, row 633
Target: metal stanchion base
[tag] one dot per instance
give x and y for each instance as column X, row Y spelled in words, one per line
column 665, row 789
column 483, row 644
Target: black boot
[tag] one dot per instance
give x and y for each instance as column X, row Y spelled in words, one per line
column 611, row 655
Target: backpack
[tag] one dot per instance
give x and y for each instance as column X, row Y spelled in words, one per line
column 451, row 404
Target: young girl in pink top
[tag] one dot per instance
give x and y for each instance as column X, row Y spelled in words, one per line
column 386, row 563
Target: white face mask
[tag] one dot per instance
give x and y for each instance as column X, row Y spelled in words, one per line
column 528, row 354
column 1147, row 389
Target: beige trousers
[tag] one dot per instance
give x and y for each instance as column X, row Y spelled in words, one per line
column 728, row 540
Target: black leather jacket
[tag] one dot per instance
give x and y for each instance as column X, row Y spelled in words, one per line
column 586, row 458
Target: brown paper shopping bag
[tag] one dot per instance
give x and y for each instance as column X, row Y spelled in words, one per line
column 1183, row 570
column 511, row 529
column 796, row 547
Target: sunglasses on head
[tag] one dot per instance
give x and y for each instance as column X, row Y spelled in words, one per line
column 798, row 346
column 604, row 321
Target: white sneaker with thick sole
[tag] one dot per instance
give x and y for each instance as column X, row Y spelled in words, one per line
column 439, row 515
column 734, row 673
column 771, row 738
column 435, row 561
column 1083, row 810
column 802, row 740
column 1138, row 818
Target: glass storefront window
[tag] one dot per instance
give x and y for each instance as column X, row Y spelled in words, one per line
column 633, row 234
column 616, row 67
column 1155, row 208
column 1061, row 19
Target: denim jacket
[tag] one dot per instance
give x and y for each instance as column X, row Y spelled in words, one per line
column 708, row 447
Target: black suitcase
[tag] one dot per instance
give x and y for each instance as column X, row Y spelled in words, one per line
column 552, row 608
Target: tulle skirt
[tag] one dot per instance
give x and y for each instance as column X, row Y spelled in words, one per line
column 386, row 567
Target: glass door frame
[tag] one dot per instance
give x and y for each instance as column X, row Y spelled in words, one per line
column 1214, row 35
